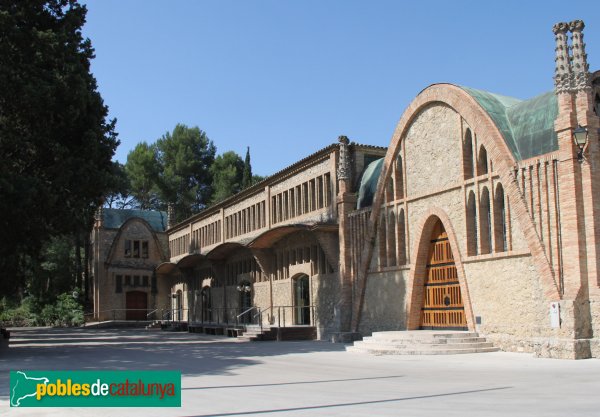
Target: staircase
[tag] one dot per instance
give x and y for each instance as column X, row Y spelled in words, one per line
column 254, row 333
column 155, row 325
column 422, row 342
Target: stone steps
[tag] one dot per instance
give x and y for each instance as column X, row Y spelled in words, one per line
column 254, row 333
column 422, row 343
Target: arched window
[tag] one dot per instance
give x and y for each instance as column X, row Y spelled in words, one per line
column 389, row 190
column 401, row 239
column 597, row 105
column 382, row 242
column 499, row 220
column 482, row 161
column 468, row 155
column 391, row 240
column 471, row 225
column 399, row 179
column 484, row 222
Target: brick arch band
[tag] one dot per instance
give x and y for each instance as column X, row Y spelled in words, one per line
column 488, row 135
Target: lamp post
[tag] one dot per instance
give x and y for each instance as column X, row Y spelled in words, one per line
column 580, row 138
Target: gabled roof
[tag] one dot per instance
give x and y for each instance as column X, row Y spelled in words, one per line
column 114, row 218
column 527, row 126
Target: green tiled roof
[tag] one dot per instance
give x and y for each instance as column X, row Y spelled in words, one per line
column 368, row 183
column 114, row 218
column 527, row 126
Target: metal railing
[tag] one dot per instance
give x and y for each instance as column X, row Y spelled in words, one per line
column 294, row 315
column 280, row 316
column 124, row 314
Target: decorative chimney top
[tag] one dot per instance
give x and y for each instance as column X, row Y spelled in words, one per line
column 343, row 171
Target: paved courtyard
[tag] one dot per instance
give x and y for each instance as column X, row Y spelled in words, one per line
column 225, row 377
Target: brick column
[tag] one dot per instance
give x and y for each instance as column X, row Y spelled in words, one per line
column 346, row 202
column 575, row 193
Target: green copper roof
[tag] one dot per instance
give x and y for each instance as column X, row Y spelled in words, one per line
column 114, row 218
column 368, row 184
column 526, row 125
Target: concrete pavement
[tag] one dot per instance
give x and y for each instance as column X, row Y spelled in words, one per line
column 224, row 377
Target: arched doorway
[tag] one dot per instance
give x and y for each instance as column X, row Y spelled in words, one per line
column 443, row 307
column 136, row 304
column 245, row 289
column 301, row 300
column 206, row 300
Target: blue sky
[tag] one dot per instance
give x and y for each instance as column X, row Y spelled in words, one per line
column 288, row 77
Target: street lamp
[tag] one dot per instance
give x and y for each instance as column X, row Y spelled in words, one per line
column 580, row 138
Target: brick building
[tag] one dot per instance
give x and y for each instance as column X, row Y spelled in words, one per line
column 483, row 214
column 126, row 248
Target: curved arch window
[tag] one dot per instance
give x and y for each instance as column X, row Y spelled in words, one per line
column 382, row 242
column 484, row 222
column 391, row 239
column 401, row 239
column 500, row 233
column 482, row 161
column 399, row 178
column 389, row 190
column 468, row 155
column 471, row 225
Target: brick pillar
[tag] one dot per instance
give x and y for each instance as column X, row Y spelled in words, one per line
column 575, row 188
column 346, row 202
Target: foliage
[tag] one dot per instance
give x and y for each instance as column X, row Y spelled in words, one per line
column 142, row 170
column 184, row 159
column 55, row 143
column 247, row 175
column 120, row 193
column 227, row 173
column 64, row 311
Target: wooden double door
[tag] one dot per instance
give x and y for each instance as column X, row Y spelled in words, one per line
column 443, row 307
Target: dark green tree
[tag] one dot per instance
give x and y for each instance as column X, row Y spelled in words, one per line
column 55, row 142
column 142, row 170
column 227, row 172
column 119, row 195
column 184, row 180
column 247, row 177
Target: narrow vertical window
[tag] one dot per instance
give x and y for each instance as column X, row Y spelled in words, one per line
column 482, row 161
column 484, row 222
column 468, row 155
column 144, row 249
column 128, row 248
column 401, row 239
column 391, row 240
column 471, row 225
column 136, row 248
column 382, row 242
column 499, row 220
column 119, row 284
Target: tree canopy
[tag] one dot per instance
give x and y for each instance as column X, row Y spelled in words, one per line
column 227, row 172
column 56, row 144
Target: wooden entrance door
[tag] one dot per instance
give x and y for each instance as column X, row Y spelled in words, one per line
column 136, row 303
column 443, row 307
